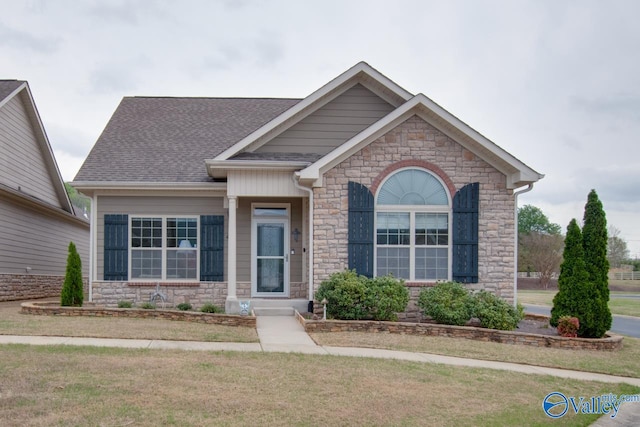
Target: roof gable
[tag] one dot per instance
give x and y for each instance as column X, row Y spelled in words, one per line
column 517, row 173
column 360, row 74
column 31, row 167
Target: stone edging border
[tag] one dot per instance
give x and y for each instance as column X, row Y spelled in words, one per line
column 54, row 309
column 611, row 342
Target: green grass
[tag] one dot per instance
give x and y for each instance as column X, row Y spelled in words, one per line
column 12, row 322
column 626, row 307
column 623, row 362
column 92, row 386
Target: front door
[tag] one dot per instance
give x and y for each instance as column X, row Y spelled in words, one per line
column 270, row 269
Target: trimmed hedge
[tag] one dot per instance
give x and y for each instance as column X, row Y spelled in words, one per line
column 450, row 303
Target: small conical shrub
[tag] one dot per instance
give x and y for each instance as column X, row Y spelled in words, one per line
column 72, row 292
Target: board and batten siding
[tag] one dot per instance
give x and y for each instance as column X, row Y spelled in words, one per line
column 258, row 182
column 22, row 164
column 154, row 206
column 39, row 240
column 331, row 125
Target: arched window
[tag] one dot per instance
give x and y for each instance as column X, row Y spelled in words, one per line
column 412, row 227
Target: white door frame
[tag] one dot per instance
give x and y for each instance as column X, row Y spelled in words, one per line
column 285, row 220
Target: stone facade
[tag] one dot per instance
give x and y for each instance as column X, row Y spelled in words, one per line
column 109, row 293
column 15, row 287
column 416, row 143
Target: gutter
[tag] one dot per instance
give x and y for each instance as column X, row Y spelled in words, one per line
column 515, row 247
column 310, row 249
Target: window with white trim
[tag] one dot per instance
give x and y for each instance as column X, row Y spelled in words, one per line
column 164, row 248
column 413, row 227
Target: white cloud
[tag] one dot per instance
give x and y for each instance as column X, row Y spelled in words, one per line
column 555, row 83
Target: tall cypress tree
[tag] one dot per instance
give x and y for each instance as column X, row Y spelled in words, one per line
column 573, row 279
column 577, row 296
column 594, row 242
column 72, row 291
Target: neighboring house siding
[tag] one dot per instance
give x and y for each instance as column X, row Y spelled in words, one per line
column 39, row 240
column 417, row 140
column 152, row 205
column 331, row 125
column 22, row 165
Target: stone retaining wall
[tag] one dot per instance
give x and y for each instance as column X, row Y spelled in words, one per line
column 54, row 309
column 611, row 342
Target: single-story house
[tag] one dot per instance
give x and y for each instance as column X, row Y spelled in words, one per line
column 233, row 199
column 37, row 217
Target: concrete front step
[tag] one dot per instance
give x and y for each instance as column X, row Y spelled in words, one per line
column 273, row 311
column 280, row 307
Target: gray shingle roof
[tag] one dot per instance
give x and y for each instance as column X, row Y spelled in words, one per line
column 168, row 139
column 8, row 86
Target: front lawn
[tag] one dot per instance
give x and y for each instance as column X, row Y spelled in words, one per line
column 623, row 362
column 105, row 386
column 623, row 306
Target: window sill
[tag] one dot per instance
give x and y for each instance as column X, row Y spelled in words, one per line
column 161, row 283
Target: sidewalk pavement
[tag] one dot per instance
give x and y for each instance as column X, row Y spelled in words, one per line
column 285, row 334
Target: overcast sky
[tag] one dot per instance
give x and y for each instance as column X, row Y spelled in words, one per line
column 556, row 83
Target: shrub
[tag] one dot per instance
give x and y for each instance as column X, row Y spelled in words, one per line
column 148, row 306
column 494, row 312
column 353, row 297
column 125, row 304
column 568, row 326
column 449, row 303
column 72, row 292
column 184, row 306
column 345, row 293
column 385, row 297
column 210, row 308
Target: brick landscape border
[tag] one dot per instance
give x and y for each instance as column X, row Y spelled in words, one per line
column 610, row 342
column 54, row 309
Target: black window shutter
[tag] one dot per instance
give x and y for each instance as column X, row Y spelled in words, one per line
column 212, row 248
column 466, row 204
column 116, row 247
column 361, row 208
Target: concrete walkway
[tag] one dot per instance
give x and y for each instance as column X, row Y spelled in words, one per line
column 285, row 334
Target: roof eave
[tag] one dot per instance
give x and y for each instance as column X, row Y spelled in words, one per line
column 219, row 168
column 517, row 173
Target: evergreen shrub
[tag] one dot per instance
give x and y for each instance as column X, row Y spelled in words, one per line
column 449, row 303
column 494, row 312
column 351, row 296
column 72, row 294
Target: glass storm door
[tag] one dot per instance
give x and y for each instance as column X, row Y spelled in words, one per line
column 270, row 264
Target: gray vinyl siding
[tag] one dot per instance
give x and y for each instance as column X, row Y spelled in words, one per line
column 243, row 220
column 332, row 125
column 157, row 205
column 22, row 164
column 37, row 239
